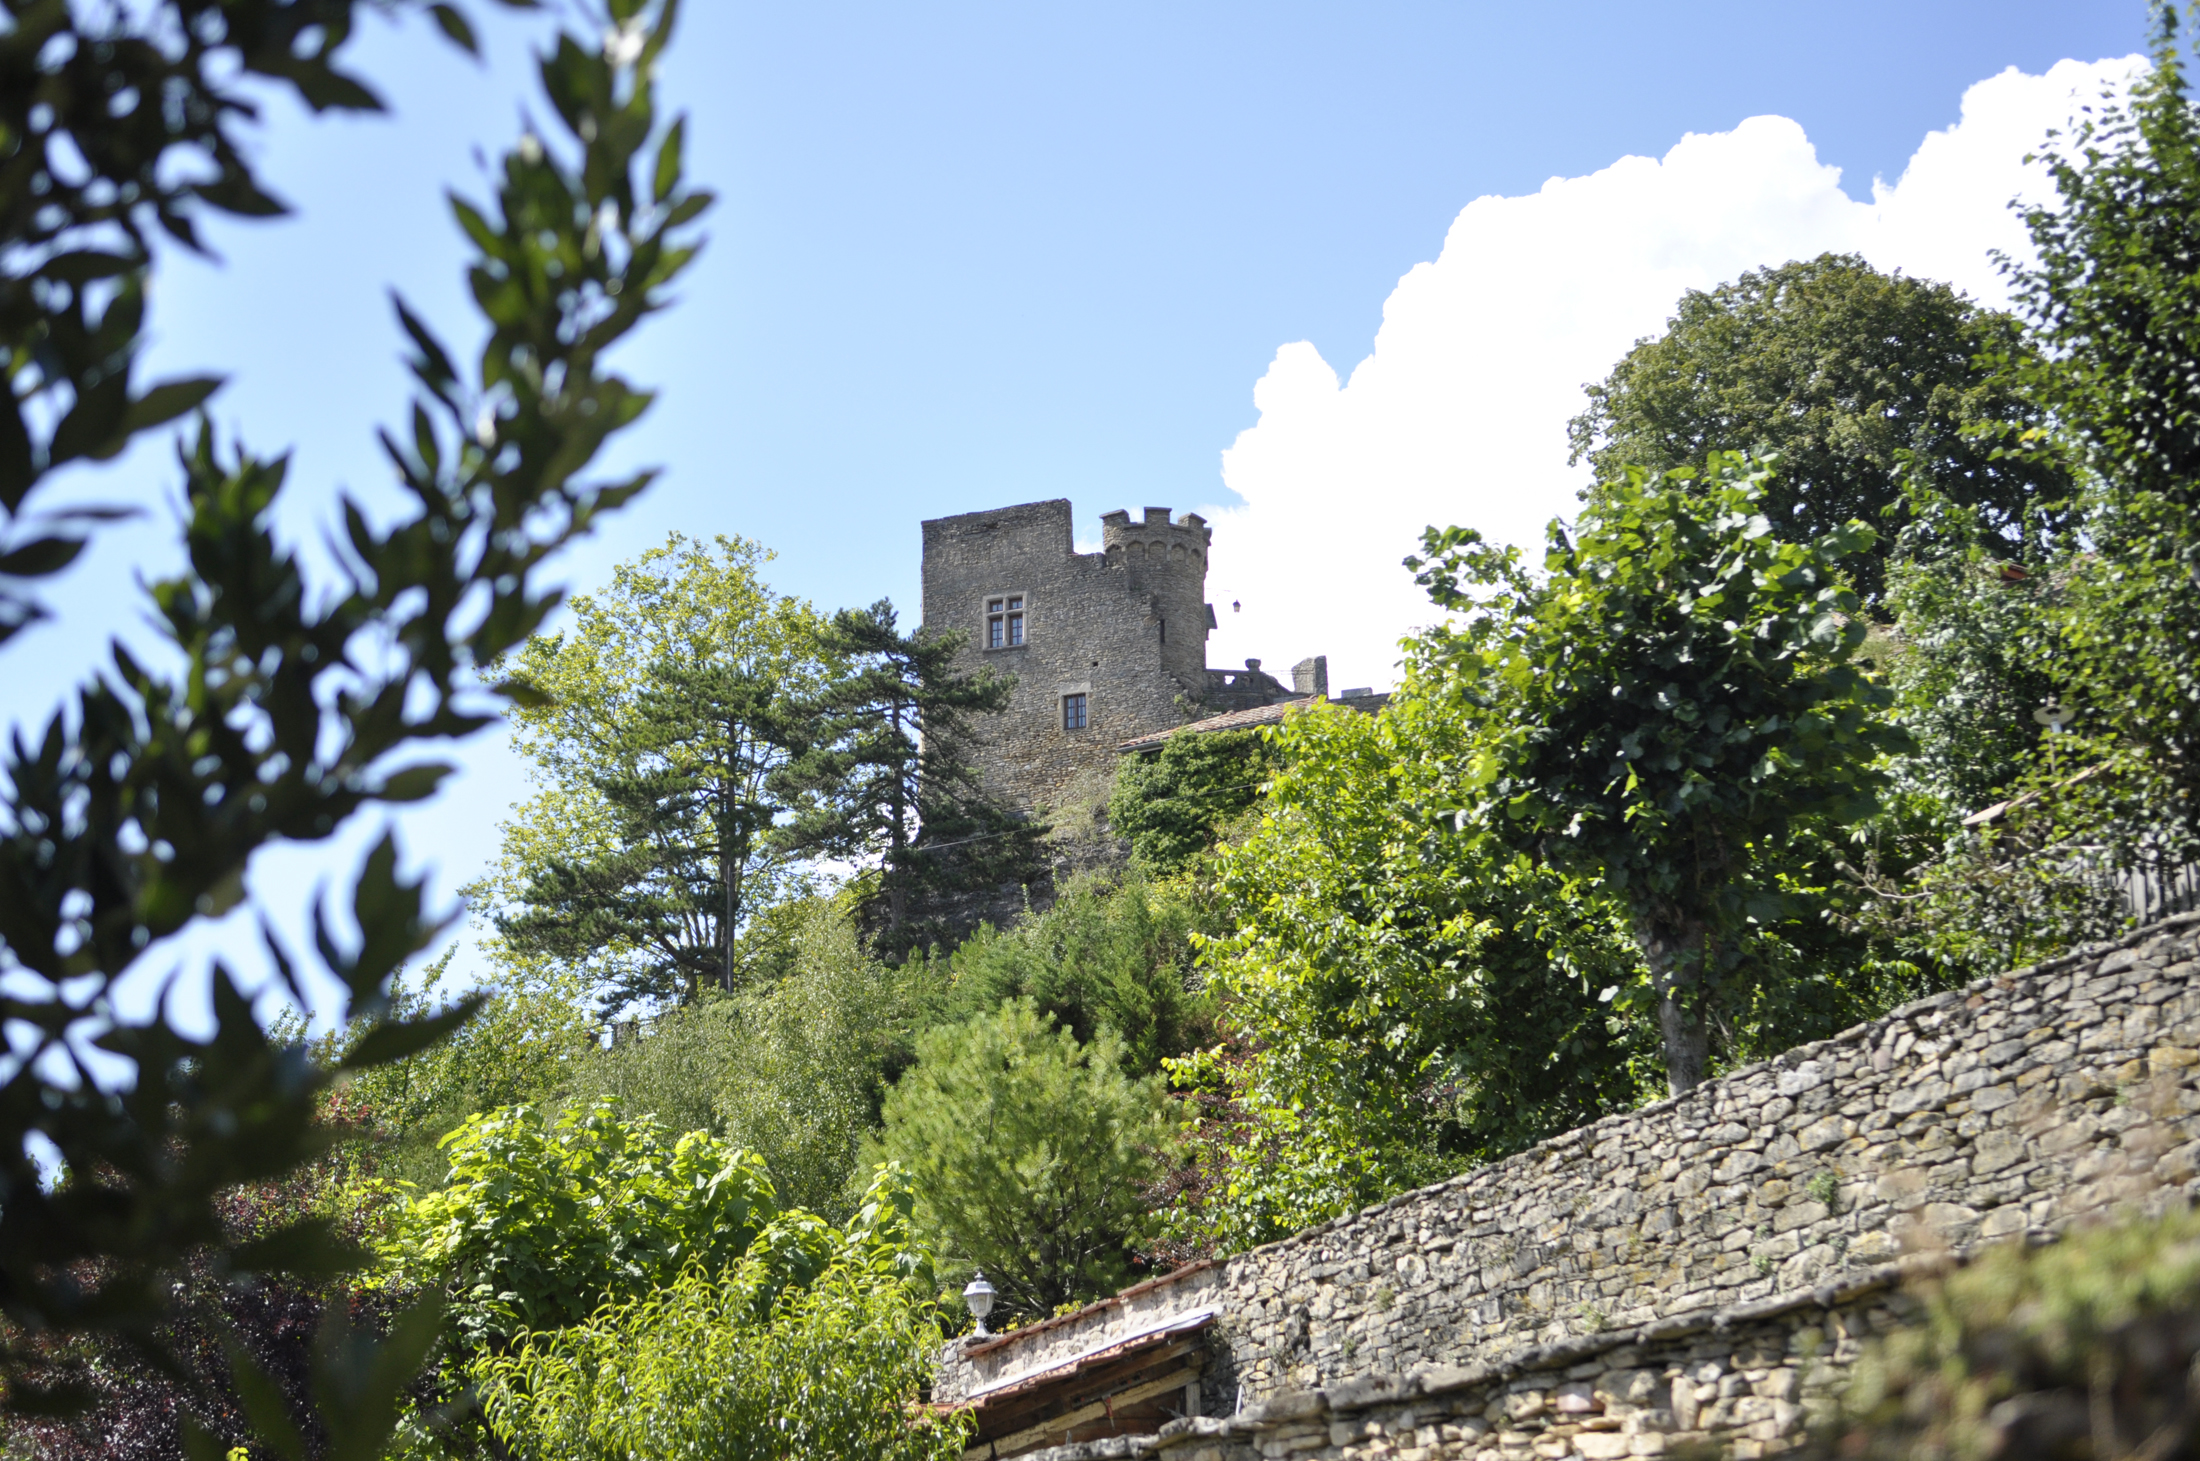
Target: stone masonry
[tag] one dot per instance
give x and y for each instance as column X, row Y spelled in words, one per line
column 1702, row 1269
column 1126, row 628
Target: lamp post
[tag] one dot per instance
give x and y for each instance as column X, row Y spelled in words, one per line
column 979, row 1297
column 2054, row 715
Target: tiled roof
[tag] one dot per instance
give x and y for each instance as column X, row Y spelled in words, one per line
column 1259, row 715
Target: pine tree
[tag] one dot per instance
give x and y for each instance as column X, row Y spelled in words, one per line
column 887, row 776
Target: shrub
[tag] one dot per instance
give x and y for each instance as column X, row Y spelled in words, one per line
column 542, row 1220
column 2079, row 1350
column 1029, row 1152
column 1107, row 954
column 742, row 1365
column 1174, row 804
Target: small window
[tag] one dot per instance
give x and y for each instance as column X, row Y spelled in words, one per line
column 1073, row 712
column 1164, row 630
column 1004, row 622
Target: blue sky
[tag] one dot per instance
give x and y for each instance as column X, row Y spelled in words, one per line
column 975, row 254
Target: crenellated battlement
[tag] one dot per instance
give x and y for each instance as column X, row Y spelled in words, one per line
column 1157, row 541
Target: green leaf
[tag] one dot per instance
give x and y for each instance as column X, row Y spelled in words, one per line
column 390, row 1042
column 668, row 161
column 455, row 25
column 40, row 557
column 414, row 783
column 168, row 400
column 525, row 693
column 236, row 191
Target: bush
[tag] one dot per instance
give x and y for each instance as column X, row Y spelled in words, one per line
column 1106, row 955
column 543, row 1220
column 811, row 1060
column 742, row 1365
column 2079, row 1350
column 794, row 1071
column 1029, row 1152
column 1401, row 1007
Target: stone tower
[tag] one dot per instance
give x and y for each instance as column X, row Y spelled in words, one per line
column 1104, row 646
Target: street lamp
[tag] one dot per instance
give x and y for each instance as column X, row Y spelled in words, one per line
column 979, row 1297
column 2054, row 715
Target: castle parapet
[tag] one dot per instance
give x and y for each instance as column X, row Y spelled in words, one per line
column 1182, row 542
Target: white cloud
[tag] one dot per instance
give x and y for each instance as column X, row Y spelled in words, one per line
column 1459, row 414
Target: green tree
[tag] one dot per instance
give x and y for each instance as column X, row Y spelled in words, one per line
column 286, row 702
column 815, row 1057
column 886, row 776
column 2116, row 314
column 1662, row 711
column 1855, row 378
column 743, row 1366
column 1975, row 662
column 1402, row 1004
column 1028, row 1152
column 645, row 851
column 1107, row 954
column 1175, row 803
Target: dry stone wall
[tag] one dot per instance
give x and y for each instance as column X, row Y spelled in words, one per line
column 1753, row 1212
column 1743, row 1382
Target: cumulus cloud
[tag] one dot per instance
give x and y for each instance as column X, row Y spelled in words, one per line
column 1459, row 413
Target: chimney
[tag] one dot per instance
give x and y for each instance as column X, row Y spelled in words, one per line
column 1311, row 676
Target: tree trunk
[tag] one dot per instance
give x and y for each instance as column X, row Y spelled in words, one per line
column 1675, row 952
column 725, row 877
column 897, row 897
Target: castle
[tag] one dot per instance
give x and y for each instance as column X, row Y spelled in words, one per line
column 1107, row 648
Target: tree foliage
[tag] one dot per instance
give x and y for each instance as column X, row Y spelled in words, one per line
column 542, row 1218
column 743, row 1365
column 1858, row 380
column 1028, row 1152
column 1661, row 711
column 1974, row 664
column 885, row 777
column 1107, row 954
column 1402, row 1005
column 645, row 851
column 2114, row 306
column 523, row 1043
column 290, row 702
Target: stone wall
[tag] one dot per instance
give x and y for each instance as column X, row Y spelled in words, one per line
column 1742, row 1382
column 1778, row 1196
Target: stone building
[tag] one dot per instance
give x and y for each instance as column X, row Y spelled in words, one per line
column 1106, row 647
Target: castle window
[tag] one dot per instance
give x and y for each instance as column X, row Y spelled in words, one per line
column 1073, row 712
column 1164, row 630
column 1004, row 622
